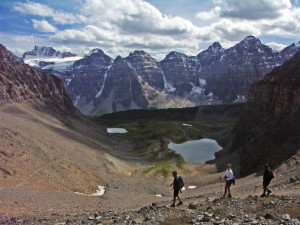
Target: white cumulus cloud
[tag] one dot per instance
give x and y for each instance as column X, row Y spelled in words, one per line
column 212, row 14
column 38, row 9
column 127, row 25
column 43, row 26
column 276, row 47
column 233, row 19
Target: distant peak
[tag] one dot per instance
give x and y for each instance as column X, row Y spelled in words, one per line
column 138, row 53
column 41, row 47
column 95, row 51
column 214, row 49
column 174, row 54
column 216, row 45
column 250, row 38
column 119, row 58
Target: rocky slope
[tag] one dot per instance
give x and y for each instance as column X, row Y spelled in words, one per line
column 269, row 129
column 21, row 82
column 204, row 206
column 214, row 76
column 46, row 143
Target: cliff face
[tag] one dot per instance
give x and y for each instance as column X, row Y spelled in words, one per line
column 269, row 129
column 278, row 92
column 121, row 90
column 19, row 82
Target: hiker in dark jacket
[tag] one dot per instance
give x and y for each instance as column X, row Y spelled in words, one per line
column 268, row 176
column 176, row 188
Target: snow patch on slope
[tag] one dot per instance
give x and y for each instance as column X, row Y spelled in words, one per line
column 168, row 87
column 58, row 64
column 105, row 76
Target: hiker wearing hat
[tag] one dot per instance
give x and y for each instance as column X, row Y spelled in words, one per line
column 229, row 178
column 268, row 176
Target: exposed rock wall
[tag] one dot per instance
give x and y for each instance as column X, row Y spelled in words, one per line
column 269, row 129
column 19, row 82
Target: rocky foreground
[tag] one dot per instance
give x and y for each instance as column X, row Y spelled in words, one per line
column 251, row 210
column 246, row 206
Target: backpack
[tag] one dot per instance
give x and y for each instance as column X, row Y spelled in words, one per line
column 181, row 183
column 233, row 180
column 271, row 175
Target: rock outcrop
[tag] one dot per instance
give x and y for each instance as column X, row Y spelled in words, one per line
column 20, row 82
column 269, row 129
column 121, row 89
column 84, row 81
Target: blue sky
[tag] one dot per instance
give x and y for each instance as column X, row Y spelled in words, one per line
column 156, row 26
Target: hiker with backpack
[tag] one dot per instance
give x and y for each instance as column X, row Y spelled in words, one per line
column 229, row 178
column 268, row 176
column 177, row 186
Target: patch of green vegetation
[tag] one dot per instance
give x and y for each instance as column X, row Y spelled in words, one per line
column 162, row 165
column 177, row 220
column 149, row 132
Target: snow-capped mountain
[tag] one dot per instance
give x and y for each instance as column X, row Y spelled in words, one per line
column 98, row 84
column 84, row 81
column 50, row 60
column 231, row 76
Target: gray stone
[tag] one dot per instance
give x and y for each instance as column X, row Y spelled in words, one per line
column 286, row 217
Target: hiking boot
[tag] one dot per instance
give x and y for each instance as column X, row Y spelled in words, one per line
column 229, row 196
column 263, row 195
column 269, row 192
column 180, row 203
column 173, row 205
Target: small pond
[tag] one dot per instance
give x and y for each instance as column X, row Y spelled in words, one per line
column 116, row 130
column 198, row 151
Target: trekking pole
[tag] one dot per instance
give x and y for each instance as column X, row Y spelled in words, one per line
column 220, row 185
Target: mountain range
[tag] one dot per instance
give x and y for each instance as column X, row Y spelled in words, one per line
column 96, row 83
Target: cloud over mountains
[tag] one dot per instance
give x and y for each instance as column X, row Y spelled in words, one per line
column 138, row 24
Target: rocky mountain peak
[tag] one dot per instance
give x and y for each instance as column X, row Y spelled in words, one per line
column 138, row 53
column 250, row 38
column 42, row 51
column 46, row 52
column 291, row 50
column 250, row 41
column 216, row 46
column 119, row 59
column 95, row 52
column 214, row 49
column 174, row 54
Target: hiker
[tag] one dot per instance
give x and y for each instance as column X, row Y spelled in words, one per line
column 229, row 178
column 268, row 176
column 177, row 186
